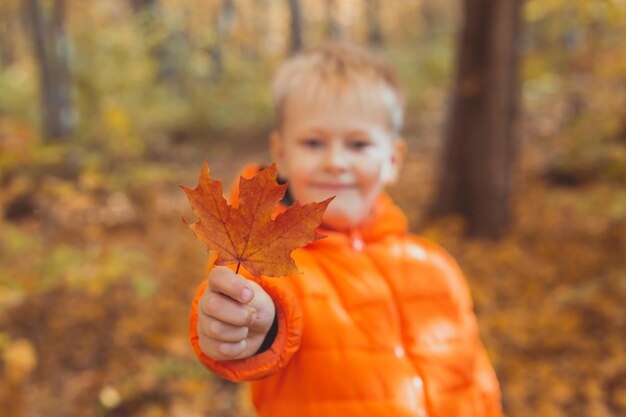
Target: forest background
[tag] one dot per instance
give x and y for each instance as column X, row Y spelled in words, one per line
column 107, row 105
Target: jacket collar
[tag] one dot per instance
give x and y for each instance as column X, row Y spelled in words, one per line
column 387, row 219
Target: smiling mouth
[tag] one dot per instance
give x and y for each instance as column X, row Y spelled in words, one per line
column 332, row 186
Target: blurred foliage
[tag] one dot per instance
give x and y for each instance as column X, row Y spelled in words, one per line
column 97, row 272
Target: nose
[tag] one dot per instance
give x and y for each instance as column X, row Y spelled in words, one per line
column 336, row 158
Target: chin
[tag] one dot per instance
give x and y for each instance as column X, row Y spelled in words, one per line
column 338, row 221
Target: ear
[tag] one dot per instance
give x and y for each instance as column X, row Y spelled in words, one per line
column 398, row 154
column 277, row 150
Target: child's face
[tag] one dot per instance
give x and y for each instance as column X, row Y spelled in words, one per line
column 336, row 147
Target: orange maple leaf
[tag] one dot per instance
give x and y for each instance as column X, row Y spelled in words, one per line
column 247, row 235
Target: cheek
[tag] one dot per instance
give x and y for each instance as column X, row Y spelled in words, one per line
column 298, row 177
column 298, row 160
column 372, row 175
column 296, row 167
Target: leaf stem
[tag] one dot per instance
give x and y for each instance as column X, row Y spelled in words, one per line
column 238, row 265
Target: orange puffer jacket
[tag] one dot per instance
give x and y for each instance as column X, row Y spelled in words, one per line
column 379, row 323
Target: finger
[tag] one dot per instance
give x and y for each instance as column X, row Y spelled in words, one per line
column 223, row 332
column 222, row 279
column 232, row 350
column 223, row 308
column 222, row 350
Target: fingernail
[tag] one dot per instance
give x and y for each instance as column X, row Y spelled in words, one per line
column 246, row 294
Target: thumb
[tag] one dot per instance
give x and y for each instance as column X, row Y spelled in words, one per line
column 225, row 281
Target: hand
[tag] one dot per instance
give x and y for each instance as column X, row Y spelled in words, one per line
column 234, row 316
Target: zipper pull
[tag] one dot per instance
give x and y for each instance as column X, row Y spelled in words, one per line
column 356, row 241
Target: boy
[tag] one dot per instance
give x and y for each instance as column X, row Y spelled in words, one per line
column 380, row 322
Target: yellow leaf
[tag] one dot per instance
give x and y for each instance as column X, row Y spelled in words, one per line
column 20, row 359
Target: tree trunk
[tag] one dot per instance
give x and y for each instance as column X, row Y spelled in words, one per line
column 480, row 150
column 333, row 28
column 374, row 31
column 261, row 25
column 225, row 21
column 52, row 53
column 437, row 20
column 167, row 51
column 144, row 6
column 7, row 37
column 296, row 26
column 148, row 13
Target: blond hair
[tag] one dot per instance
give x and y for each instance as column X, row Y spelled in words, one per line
column 339, row 68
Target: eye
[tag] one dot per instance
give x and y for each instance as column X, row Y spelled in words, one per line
column 312, row 143
column 358, row 144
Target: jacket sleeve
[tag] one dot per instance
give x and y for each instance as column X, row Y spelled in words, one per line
column 285, row 344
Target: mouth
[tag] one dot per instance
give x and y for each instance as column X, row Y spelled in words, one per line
column 332, row 186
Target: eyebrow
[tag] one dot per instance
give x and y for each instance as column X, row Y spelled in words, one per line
column 357, row 132
column 313, row 132
column 322, row 131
